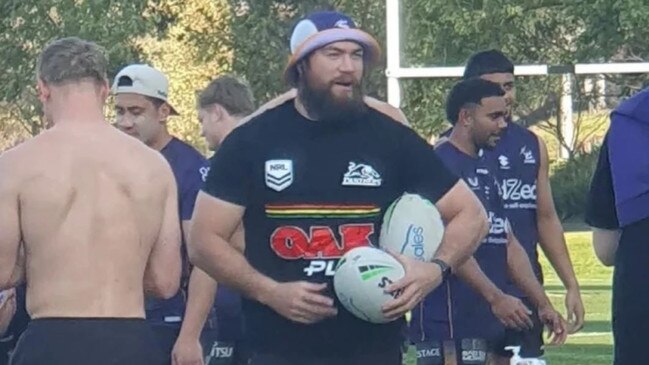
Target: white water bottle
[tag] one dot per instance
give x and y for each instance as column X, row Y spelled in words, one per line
column 518, row 360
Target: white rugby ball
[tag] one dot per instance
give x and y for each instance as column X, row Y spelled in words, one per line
column 360, row 278
column 412, row 226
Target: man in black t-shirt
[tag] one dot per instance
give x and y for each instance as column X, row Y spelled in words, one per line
column 311, row 179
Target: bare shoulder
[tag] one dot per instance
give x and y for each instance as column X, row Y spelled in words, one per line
column 387, row 109
column 10, row 174
column 274, row 103
column 146, row 157
column 18, row 161
column 147, row 164
column 543, row 157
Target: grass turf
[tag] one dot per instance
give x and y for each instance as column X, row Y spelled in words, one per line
column 593, row 345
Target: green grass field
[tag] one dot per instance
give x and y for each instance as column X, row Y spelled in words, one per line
column 593, row 344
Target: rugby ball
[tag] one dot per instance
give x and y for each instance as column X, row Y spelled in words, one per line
column 360, row 280
column 413, row 227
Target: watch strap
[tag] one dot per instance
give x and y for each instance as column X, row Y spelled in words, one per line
column 446, row 269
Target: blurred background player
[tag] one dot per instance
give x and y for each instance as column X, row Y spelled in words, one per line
column 142, row 110
column 221, row 106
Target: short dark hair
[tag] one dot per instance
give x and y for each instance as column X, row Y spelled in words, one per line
column 468, row 93
column 487, row 62
column 157, row 103
column 231, row 93
column 72, row 59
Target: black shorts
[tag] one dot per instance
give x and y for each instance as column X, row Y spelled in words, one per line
column 377, row 357
column 631, row 295
column 97, row 341
column 530, row 341
column 166, row 336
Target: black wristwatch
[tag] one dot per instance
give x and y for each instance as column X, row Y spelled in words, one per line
column 446, row 270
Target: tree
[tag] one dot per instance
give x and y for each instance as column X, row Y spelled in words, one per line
column 436, row 32
column 192, row 51
column 261, row 31
column 615, row 31
column 195, row 40
column 28, row 25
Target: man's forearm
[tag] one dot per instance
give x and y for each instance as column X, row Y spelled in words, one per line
column 521, row 273
column 200, row 299
column 462, row 237
column 553, row 243
column 226, row 265
column 473, row 275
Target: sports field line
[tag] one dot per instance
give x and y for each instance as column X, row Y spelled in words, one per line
column 591, row 334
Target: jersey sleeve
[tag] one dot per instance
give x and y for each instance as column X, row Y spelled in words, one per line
column 600, row 209
column 229, row 174
column 424, row 172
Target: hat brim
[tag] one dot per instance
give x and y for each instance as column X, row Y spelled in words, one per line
column 371, row 47
column 143, row 92
column 172, row 110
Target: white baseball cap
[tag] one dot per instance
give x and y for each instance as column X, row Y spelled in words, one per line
column 143, row 80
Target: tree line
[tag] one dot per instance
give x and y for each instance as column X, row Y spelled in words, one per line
column 193, row 41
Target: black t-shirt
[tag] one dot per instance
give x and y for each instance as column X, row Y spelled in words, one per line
column 312, row 191
column 600, row 210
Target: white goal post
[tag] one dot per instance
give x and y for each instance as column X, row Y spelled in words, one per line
column 394, row 72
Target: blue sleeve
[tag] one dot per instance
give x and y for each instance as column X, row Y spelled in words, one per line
column 424, row 172
column 230, row 173
column 192, row 183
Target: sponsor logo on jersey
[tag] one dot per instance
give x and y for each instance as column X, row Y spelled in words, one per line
column 528, row 156
column 497, row 230
column 474, row 183
column 515, row 190
column 204, row 171
column 504, row 162
column 319, row 245
column 429, row 353
column 279, row 174
column 222, row 350
column 474, row 356
column 473, row 351
column 359, row 174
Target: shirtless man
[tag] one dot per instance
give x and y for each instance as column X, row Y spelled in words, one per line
column 89, row 219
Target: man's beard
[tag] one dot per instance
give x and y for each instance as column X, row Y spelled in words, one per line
column 323, row 105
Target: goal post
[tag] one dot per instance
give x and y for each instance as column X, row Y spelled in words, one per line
column 395, row 72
